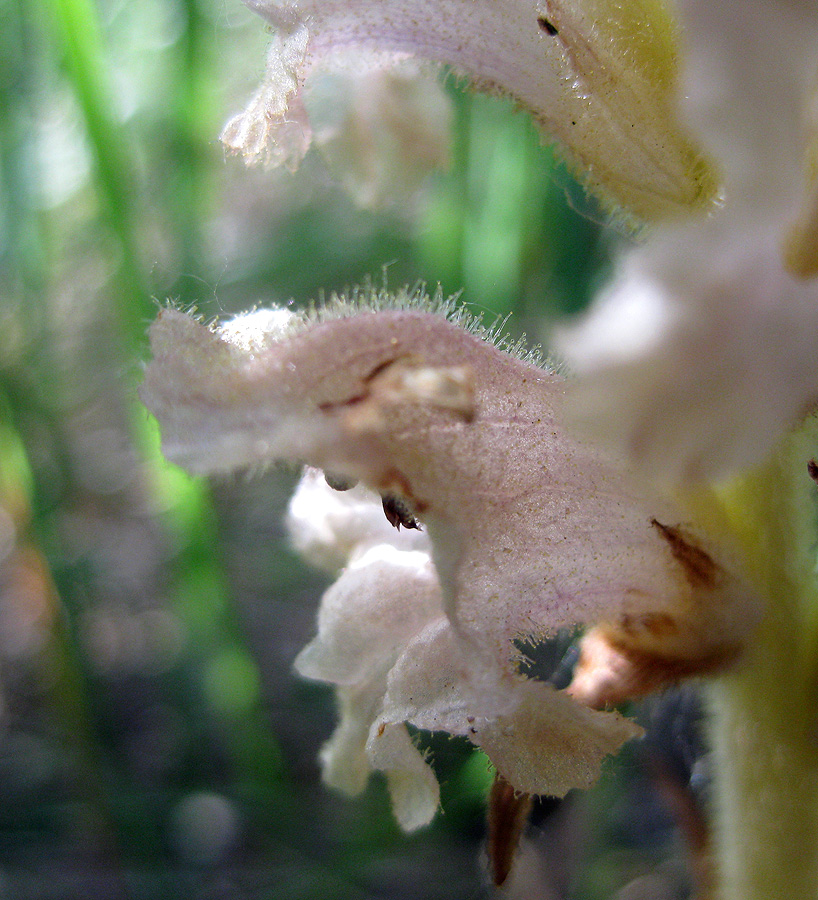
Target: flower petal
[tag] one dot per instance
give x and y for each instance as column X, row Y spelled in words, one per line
column 380, row 601
column 345, row 765
column 274, row 127
column 381, row 131
column 730, row 366
column 366, row 618
column 540, row 740
column 599, row 76
column 412, row 785
column 550, row 744
column 531, row 530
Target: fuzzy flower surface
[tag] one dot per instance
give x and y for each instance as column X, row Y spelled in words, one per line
column 526, row 531
column 699, row 116
column 700, row 353
column 600, row 77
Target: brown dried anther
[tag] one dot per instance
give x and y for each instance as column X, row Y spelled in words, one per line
column 398, row 512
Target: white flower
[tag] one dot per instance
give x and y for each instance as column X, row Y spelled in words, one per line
column 725, row 362
column 526, row 531
column 386, row 643
column 381, row 122
column 599, row 76
column 734, row 364
column 380, row 130
column 711, row 356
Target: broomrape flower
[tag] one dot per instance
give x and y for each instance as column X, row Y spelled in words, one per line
column 526, row 531
column 693, row 363
column 730, row 364
column 709, row 125
column 600, row 77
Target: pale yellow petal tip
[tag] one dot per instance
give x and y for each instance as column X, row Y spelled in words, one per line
column 696, row 189
column 622, row 133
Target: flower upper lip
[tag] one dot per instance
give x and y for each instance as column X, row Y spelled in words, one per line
column 604, row 83
column 529, row 529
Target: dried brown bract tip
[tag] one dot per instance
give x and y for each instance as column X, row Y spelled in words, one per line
column 698, row 565
column 615, row 666
column 508, row 814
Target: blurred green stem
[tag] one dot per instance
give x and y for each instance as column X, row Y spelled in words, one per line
column 78, row 32
column 63, row 672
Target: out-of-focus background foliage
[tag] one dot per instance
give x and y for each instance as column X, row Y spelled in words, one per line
column 153, row 741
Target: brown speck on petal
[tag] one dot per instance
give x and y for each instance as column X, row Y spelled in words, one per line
column 812, row 469
column 508, row 814
column 699, row 568
column 547, row 26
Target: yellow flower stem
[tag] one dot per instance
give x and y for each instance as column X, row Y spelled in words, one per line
column 764, row 722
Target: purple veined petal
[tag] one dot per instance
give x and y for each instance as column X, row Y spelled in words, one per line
column 600, row 77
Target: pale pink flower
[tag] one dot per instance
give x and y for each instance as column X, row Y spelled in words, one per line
column 600, row 77
column 711, row 121
column 527, row 531
column 728, row 363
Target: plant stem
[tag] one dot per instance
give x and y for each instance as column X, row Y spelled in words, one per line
column 77, row 29
column 764, row 725
column 766, row 787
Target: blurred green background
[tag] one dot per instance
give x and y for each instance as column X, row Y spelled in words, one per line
column 153, row 741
